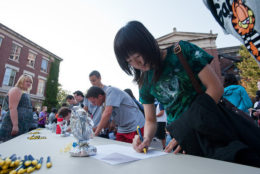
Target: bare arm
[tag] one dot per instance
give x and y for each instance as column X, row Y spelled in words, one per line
column 160, row 113
column 150, row 121
column 104, row 119
column 14, row 98
column 211, row 81
column 149, row 128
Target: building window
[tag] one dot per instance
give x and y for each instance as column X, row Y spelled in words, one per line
column 41, row 87
column 1, row 39
column 9, row 77
column 44, row 65
column 15, row 52
column 31, row 59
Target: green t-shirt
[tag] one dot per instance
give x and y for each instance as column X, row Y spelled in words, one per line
column 174, row 89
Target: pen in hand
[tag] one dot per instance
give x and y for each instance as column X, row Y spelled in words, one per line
column 141, row 137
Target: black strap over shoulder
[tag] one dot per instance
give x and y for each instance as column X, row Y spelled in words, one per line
column 177, row 50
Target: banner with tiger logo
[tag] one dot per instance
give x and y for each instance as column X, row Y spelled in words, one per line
column 241, row 18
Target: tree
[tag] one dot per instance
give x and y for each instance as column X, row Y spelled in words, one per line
column 61, row 97
column 249, row 72
column 52, row 86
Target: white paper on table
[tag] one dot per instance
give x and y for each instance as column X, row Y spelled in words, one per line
column 117, row 154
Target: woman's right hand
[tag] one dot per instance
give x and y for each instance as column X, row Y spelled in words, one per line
column 15, row 130
column 138, row 145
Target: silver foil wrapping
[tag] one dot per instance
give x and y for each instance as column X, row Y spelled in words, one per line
column 81, row 128
column 83, row 151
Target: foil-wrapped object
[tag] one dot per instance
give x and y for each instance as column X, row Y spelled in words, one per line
column 81, row 128
column 82, row 150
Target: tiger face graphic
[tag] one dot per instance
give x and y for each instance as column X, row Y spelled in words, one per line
column 243, row 19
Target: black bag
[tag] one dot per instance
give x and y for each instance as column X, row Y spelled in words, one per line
column 211, row 130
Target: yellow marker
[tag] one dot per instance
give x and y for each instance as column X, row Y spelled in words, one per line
column 21, row 171
column 12, row 164
column 39, row 165
column 17, row 162
column 8, row 161
column 13, row 172
column 141, row 137
column 5, row 166
column 27, row 162
column 34, row 161
column 48, row 163
column 18, row 170
column 30, row 169
column 4, row 171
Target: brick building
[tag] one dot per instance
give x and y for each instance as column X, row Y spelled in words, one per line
column 206, row 41
column 228, row 56
column 19, row 55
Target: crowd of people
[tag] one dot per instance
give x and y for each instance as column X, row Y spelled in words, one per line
column 168, row 108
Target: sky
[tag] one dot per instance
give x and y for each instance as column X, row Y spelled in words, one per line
column 81, row 32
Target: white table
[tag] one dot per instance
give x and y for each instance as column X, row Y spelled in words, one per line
column 64, row 164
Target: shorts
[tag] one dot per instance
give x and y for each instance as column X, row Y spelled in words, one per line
column 127, row 137
column 160, row 132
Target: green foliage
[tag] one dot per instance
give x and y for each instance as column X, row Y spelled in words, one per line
column 249, row 72
column 52, row 86
column 61, row 97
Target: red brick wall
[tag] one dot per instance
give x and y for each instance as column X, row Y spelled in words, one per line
column 5, row 51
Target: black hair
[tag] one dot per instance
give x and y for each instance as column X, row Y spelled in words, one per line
column 54, row 110
column 1, row 105
column 70, row 97
column 95, row 73
column 129, row 92
column 258, row 93
column 64, row 111
column 78, row 93
column 230, row 79
column 34, row 109
column 64, row 104
column 94, row 92
column 135, row 38
column 257, row 96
